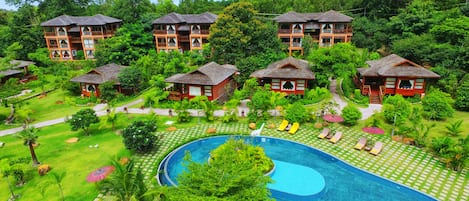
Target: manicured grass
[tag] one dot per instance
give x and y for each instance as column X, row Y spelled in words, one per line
column 77, row 160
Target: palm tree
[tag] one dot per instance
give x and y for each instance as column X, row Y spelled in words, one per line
column 29, row 136
column 112, row 118
column 58, row 177
column 125, row 182
column 454, row 129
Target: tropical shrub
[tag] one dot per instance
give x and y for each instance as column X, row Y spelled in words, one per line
column 351, row 115
column 316, row 95
column 396, row 106
column 139, row 136
column 83, row 120
column 462, row 95
column 437, row 105
column 297, row 113
column 182, row 114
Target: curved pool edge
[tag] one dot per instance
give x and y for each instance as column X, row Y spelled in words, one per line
column 397, row 185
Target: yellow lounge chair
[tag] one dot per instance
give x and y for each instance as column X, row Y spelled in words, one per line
column 283, row 125
column 377, row 148
column 336, row 137
column 324, row 133
column 294, row 128
column 360, row 144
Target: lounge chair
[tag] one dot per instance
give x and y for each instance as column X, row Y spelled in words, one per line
column 324, row 133
column 377, row 148
column 283, row 125
column 360, row 144
column 294, row 128
column 337, row 136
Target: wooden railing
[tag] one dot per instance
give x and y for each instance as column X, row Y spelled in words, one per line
column 382, row 92
column 366, row 90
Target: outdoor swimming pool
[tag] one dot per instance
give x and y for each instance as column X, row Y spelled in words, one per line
column 298, row 166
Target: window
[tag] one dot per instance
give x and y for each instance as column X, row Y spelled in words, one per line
column 285, row 40
column 296, row 42
column 90, row 88
column 195, row 29
column 61, row 31
column 53, row 43
column 66, row 54
column 288, row 85
column 86, row 30
column 48, row 29
column 172, row 42
column 74, row 52
column 300, row 85
column 88, row 43
column 171, row 29
column 284, row 26
column 326, row 28
column 63, row 43
column 297, row 28
column 275, row 84
column 390, row 83
column 195, row 42
column 419, row 83
column 326, row 42
column 56, row 54
column 194, row 91
column 339, row 28
column 90, row 54
column 406, row 84
column 208, row 90
column 159, row 27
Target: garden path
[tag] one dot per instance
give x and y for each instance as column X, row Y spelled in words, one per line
column 366, row 112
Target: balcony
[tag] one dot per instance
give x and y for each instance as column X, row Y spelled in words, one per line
column 87, row 33
column 297, row 31
column 339, row 31
column 49, row 33
column 161, row 44
column 76, row 40
column 183, row 38
column 159, row 31
column 284, row 31
column 171, row 44
column 296, row 44
column 61, row 33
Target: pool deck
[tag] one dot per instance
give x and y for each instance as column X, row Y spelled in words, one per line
column 401, row 163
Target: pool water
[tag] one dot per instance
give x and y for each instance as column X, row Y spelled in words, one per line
column 342, row 181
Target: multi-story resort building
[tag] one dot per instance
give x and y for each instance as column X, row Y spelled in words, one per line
column 182, row 32
column 66, row 36
column 325, row 28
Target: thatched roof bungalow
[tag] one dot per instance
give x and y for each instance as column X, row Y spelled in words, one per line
column 89, row 82
column 288, row 75
column 212, row 80
column 393, row 75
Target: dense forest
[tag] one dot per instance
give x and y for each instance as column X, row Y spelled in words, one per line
column 434, row 33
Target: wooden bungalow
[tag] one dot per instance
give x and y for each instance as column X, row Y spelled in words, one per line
column 289, row 75
column 392, row 75
column 16, row 69
column 212, row 80
column 89, row 82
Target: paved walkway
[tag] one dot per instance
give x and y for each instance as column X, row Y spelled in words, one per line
column 101, row 111
column 366, row 112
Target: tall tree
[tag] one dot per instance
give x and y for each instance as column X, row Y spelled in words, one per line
column 130, row 11
column 238, row 34
column 29, row 137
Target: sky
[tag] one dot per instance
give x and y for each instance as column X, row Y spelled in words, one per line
column 3, row 5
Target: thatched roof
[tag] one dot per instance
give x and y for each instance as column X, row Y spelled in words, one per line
column 10, row 72
column 286, row 68
column 209, row 74
column 176, row 18
column 66, row 20
column 108, row 72
column 329, row 16
column 395, row 66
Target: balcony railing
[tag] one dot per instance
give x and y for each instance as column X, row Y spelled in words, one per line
column 327, row 31
column 284, row 31
column 49, row 33
column 171, row 32
column 195, row 32
column 87, row 33
column 161, row 44
column 61, row 33
column 159, row 31
column 64, row 45
column 296, row 44
column 53, row 46
column 297, row 31
column 339, row 30
column 183, row 38
column 195, row 44
column 172, row 44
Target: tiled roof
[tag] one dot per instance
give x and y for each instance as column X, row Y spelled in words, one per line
column 209, row 74
column 108, row 72
column 286, row 68
column 329, row 16
column 395, row 66
column 176, row 18
column 65, row 20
